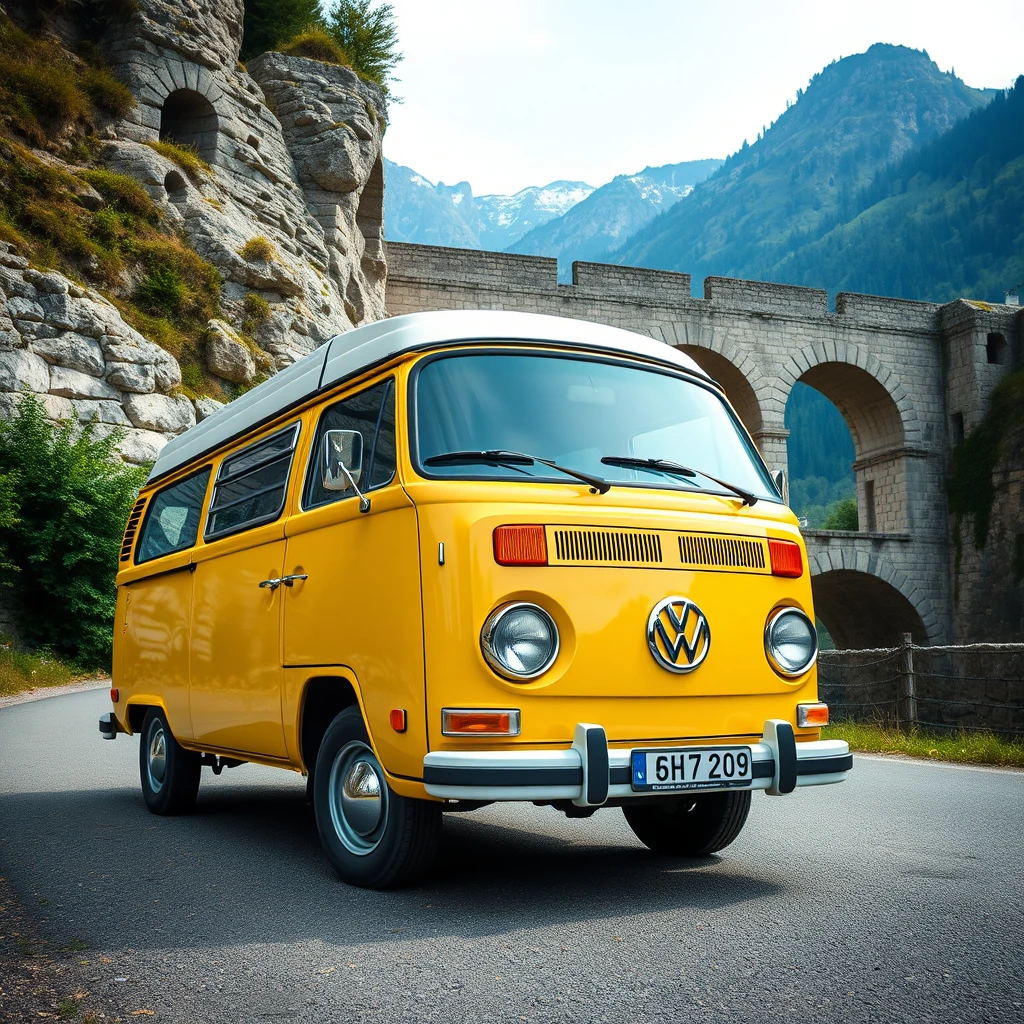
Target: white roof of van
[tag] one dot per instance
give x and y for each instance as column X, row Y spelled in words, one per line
column 346, row 355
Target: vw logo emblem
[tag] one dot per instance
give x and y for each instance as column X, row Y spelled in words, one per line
column 678, row 634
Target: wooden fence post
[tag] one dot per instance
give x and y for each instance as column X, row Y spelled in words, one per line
column 906, row 705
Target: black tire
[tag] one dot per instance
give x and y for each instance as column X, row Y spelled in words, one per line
column 693, row 827
column 169, row 772
column 373, row 837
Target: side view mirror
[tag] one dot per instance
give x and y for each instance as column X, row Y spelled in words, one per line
column 343, row 463
column 779, row 479
column 342, row 450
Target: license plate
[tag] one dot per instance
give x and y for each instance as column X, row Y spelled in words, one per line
column 691, row 768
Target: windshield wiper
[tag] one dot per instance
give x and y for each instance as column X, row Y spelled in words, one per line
column 675, row 469
column 503, row 458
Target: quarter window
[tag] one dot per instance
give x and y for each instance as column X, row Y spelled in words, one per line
column 172, row 521
column 372, row 413
column 251, row 485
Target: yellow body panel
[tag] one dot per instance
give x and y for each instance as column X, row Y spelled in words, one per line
column 380, row 614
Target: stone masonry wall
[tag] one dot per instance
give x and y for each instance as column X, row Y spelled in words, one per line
column 881, row 361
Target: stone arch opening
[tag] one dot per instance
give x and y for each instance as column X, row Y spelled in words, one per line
column 876, row 426
column 820, row 455
column 861, row 610
column 189, row 119
column 176, row 187
column 733, row 381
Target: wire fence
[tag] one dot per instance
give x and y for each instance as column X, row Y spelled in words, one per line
column 971, row 687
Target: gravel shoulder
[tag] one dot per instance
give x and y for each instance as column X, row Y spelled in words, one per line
column 42, row 692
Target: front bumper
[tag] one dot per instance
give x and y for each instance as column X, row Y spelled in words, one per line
column 590, row 773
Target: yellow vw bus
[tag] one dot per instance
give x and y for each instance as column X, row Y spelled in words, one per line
column 460, row 557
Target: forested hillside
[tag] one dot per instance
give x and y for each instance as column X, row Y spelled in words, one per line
column 945, row 221
column 805, row 174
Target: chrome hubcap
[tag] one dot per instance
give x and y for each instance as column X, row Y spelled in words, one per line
column 358, row 798
column 156, row 762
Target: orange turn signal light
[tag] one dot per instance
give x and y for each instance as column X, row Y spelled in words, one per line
column 398, row 719
column 469, row 722
column 520, row 545
column 811, row 716
column 786, row 558
column 114, row 695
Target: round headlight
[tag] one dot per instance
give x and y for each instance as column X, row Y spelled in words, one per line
column 519, row 641
column 791, row 642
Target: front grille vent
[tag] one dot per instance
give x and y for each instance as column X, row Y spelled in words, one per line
column 129, row 530
column 608, row 547
column 711, row 551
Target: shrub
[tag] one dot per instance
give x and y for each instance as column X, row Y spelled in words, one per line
column 186, row 157
column 842, row 516
column 122, row 192
column 259, row 249
column 107, row 93
column 161, row 291
column 74, row 496
column 257, row 309
column 268, row 22
column 317, row 44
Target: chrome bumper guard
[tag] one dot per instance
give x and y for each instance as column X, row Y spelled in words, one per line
column 108, row 726
column 589, row 773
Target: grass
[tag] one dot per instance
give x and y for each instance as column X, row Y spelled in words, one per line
column 957, row 747
column 316, row 44
column 20, row 671
column 186, row 157
column 258, row 249
column 161, row 286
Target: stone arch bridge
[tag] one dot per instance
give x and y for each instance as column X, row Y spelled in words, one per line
column 908, row 377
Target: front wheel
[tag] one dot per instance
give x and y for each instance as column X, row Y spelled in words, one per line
column 169, row 772
column 373, row 837
column 694, row 826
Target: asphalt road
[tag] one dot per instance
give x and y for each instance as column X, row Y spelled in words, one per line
column 896, row 897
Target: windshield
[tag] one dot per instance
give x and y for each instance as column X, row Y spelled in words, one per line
column 575, row 412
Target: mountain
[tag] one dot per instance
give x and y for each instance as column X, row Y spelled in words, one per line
column 417, row 210
column 791, row 186
column 945, row 221
column 594, row 228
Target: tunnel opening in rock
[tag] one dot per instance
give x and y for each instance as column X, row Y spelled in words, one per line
column 862, row 611
column 188, row 119
column 174, row 183
column 736, row 386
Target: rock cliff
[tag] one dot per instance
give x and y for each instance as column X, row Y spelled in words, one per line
column 286, row 202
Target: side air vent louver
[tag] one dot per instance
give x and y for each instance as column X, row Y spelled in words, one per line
column 710, row 551
column 131, row 528
column 607, row 547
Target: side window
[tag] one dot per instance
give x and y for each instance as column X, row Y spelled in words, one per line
column 372, row 413
column 251, row 485
column 172, row 522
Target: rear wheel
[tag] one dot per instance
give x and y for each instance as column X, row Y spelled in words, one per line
column 693, row 827
column 373, row 837
column 169, row 772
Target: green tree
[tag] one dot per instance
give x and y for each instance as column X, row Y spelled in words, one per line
column 268, row 23
column 842, row 516
column 73, row 497
column 368, row 36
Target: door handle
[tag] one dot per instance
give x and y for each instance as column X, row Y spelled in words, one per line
column 289, row 581
column 271, row 584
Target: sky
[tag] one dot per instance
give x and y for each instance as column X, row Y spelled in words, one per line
column 510, row 93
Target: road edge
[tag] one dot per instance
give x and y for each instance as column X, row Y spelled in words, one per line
column 42, row 692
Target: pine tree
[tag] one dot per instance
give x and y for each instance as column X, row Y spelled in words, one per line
column 368, row 35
